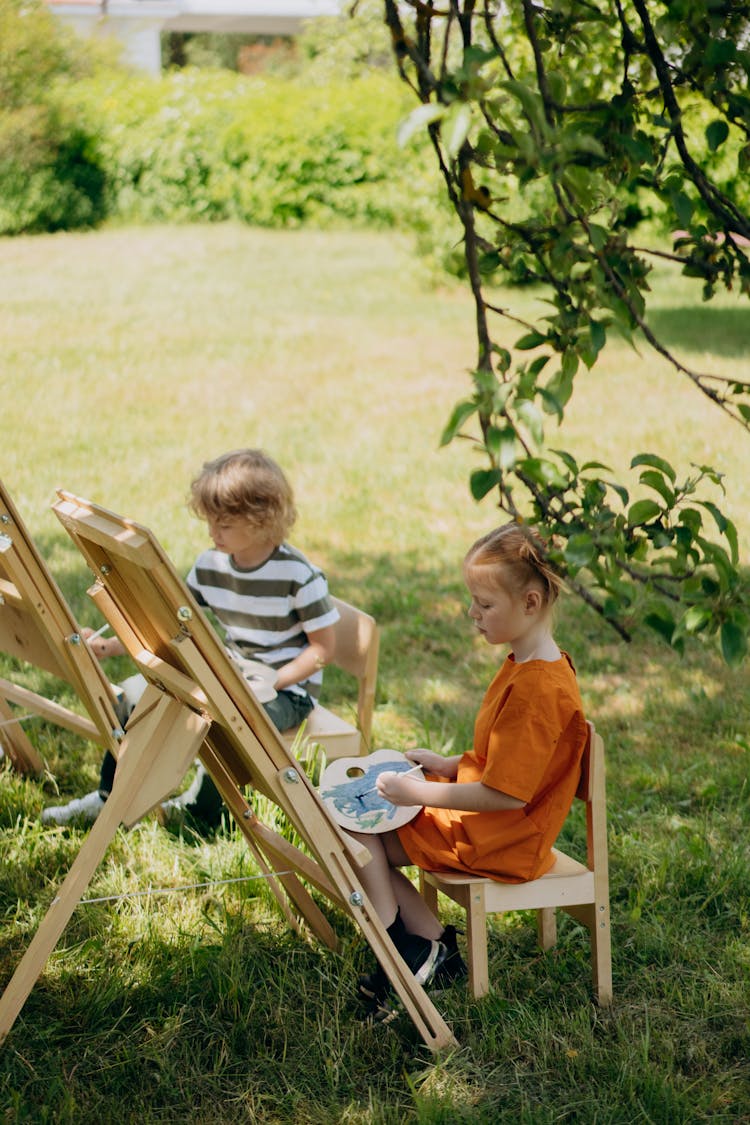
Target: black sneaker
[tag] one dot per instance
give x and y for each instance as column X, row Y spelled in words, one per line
column 452, row 967
column 374, row 986
column 423, row 956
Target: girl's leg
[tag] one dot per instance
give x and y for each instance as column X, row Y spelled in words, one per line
column 417, row 916
column 410, row 924
column 376, row 877
column 389, row 890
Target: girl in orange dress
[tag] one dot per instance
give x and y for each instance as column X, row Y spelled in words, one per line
column 507, row 798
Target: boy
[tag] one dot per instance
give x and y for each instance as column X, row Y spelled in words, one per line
column 272, row 602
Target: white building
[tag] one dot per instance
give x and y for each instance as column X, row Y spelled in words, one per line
column 139, row 24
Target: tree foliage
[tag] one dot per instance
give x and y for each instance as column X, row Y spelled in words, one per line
column 560, row 128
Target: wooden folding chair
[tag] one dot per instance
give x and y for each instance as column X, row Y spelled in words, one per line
column 581, row 890
column 357, row 644
column 38, row 628
column 197, row 703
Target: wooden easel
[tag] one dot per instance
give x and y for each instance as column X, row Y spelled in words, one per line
column 37, row 626
column 198, row 703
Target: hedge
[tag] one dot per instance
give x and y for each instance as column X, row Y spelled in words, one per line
column 198, row 145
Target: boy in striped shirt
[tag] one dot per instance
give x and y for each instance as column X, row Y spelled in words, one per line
column 272, row 603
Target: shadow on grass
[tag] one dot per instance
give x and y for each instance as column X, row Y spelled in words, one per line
column 221, row 1016
column 656, row 709
column 723, row 332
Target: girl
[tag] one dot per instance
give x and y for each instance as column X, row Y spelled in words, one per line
column 497, row 809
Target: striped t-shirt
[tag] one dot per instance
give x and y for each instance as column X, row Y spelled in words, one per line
column 266, row 610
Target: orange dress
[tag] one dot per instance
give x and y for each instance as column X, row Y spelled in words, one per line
column 528, row 739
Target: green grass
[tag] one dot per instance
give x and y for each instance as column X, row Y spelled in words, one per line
column 127, row 358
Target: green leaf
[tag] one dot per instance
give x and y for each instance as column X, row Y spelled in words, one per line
column 570, row 363
column 579, row 550
column 529, row 99
column 531, row 416
column 621, row 491
column 461, row 412
column 683, row 208
column 716, row 133
column 730, row 532
column 595, row 465
column 719, row 517
column 643, row 511
column 542, row 472
column 691, row 519
column 531, row 340
column 501, row 444
column 508, row 449
column 662, row 622
column 598, row 235
column 560, row 388
column 556, row 85
column 482, row 481
column 418, row 118
column 696, row 618
column 655, row 463
column 568, row 460
column 733, row 643
column 598, row 335
column 454, row 128
column 656, row 481
column 539, row 364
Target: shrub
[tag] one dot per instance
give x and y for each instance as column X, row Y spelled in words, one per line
column 197, row 145
column 50, row 176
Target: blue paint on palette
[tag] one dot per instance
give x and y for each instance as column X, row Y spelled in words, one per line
column 359, row 799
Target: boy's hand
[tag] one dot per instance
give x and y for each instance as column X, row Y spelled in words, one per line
column 102, row 647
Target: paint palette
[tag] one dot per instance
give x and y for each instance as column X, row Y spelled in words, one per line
column 259, row 676
column 347, row 788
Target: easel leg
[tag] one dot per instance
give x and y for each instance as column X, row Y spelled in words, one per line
column 57, row 917
column 16, row 745
column 290, row 883
column 159, row 719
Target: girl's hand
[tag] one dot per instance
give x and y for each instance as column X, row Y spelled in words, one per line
column 433, row 763
column 399, row 789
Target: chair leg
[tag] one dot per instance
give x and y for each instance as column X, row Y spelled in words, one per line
column 428, row 893
column 601, row 954
column 546, row 927
column 476, row 941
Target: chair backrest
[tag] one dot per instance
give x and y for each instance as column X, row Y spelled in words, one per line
column 583, row 792
column 592, row 791
column 357, row 650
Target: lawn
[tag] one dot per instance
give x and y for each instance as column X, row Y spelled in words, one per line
column 130, row 356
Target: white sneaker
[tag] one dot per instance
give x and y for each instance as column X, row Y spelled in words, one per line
column 81, row 808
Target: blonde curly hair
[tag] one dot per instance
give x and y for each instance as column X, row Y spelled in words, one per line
column 245, row 484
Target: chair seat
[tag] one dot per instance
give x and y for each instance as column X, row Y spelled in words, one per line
column 341, row 738
column 568, row 882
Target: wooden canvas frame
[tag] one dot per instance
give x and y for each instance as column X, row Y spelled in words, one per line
column 37, row 626
column 198, row 703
